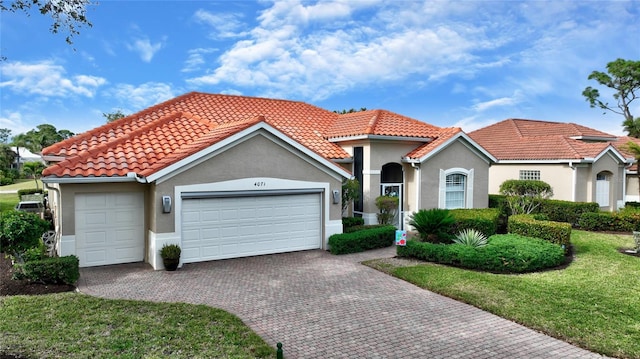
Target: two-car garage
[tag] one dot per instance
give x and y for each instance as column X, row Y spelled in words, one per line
column 230, row 225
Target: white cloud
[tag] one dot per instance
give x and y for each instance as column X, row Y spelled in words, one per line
column 13, row 121
column 300, row 50
column 142, row 96
column 48, row 79
column 499, row 102
column 145, row 48
column 225, row 25
column 196, row 59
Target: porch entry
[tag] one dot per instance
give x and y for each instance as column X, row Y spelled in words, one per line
column 391, row 184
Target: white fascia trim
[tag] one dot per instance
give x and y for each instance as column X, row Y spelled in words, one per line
column 593, row 138
column 52, row 158
column 471, row 144
column 105, row 179
column 567, row 161
column 239, row 137
column 615, row 153
column 379, row 137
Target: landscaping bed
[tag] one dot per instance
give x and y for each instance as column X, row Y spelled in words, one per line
column 23, row 287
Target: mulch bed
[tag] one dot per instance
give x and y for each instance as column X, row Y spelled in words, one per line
column 23, row 287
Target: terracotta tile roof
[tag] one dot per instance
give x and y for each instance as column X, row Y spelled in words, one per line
column 161, row 135
column 382, row 123
column 518, row 139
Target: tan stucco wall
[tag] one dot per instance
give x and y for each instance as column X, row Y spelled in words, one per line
column 456, row 155
column 633, row 193
column 256, row 157
column 558, row 175
column 68, row 193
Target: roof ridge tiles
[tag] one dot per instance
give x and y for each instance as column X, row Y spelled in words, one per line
column 373, row 121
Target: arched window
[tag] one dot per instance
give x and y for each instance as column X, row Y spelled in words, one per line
column 456, row 188
column 603, row 180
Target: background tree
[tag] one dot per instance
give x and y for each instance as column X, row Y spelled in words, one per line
column 5, row 134
column 114, row 116
column 624, row 78
column 351, row 110
column 67, row 15
column 34, row 169
column 44, row 135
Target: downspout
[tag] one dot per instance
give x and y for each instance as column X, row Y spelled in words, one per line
column 58, row 217
column 138, row 178
column 418, row 184
column 575, row 181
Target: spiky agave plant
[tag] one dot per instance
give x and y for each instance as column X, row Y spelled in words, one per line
column 471, row 237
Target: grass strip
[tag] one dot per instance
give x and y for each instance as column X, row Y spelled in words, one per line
column 74, row 325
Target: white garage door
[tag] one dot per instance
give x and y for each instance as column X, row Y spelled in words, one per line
column 109, row 228
column 230, row 227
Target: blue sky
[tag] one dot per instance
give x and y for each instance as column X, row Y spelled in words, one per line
column 460, row 63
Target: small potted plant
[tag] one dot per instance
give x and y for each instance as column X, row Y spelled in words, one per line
column 170, row 254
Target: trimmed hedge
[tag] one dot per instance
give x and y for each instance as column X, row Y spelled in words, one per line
column 363, row 227
column 505, row 253
column 554, row 232
column 632, row 204
column 363, row 240
column 26, row 191
column 348, row 222
column 625, row 221
column 50, row 270
column 483, row 220
column 566, row 211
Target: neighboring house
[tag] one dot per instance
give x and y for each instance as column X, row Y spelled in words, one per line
column 632, row 185
column 231, row 176
column 580, row 163
column 23, row 156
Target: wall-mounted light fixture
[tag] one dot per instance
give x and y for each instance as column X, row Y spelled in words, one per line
column 166, row 204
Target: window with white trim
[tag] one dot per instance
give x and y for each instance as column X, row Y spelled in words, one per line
column 456, row 188
column 530, row 175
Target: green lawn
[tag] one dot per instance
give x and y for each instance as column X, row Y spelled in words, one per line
column 9, row 200
column 21, row 184
column 594, row 303
column 73, row 325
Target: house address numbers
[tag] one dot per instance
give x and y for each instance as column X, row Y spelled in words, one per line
column 260, row 184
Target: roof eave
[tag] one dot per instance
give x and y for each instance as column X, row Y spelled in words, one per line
column 379, row 137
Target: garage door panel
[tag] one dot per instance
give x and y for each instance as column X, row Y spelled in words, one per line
column 250, row 226
column 109, row 228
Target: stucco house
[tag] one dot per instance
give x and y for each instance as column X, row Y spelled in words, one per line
column 231, row 176
column 580, row 163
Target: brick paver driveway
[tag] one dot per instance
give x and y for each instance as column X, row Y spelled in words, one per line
column 324, row 306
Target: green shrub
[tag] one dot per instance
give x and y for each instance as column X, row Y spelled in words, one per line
column 632, row 204
column 433, row 225
column 20, row 231
column 170, row 251
column 499, row 202
column 484, row 220
column 5, row 181
column 525, row 196
column 566, row 211
column 504, row 253
column 35, row 253
column 554, row 232
column 26, row 191
column 348, row 222
column 388, row 206
column 625, row 221
column 471, row 237
column 363, row 227
column 363, row 240
column 49, row 270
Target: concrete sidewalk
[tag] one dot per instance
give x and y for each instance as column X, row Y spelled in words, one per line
column 324, row 306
